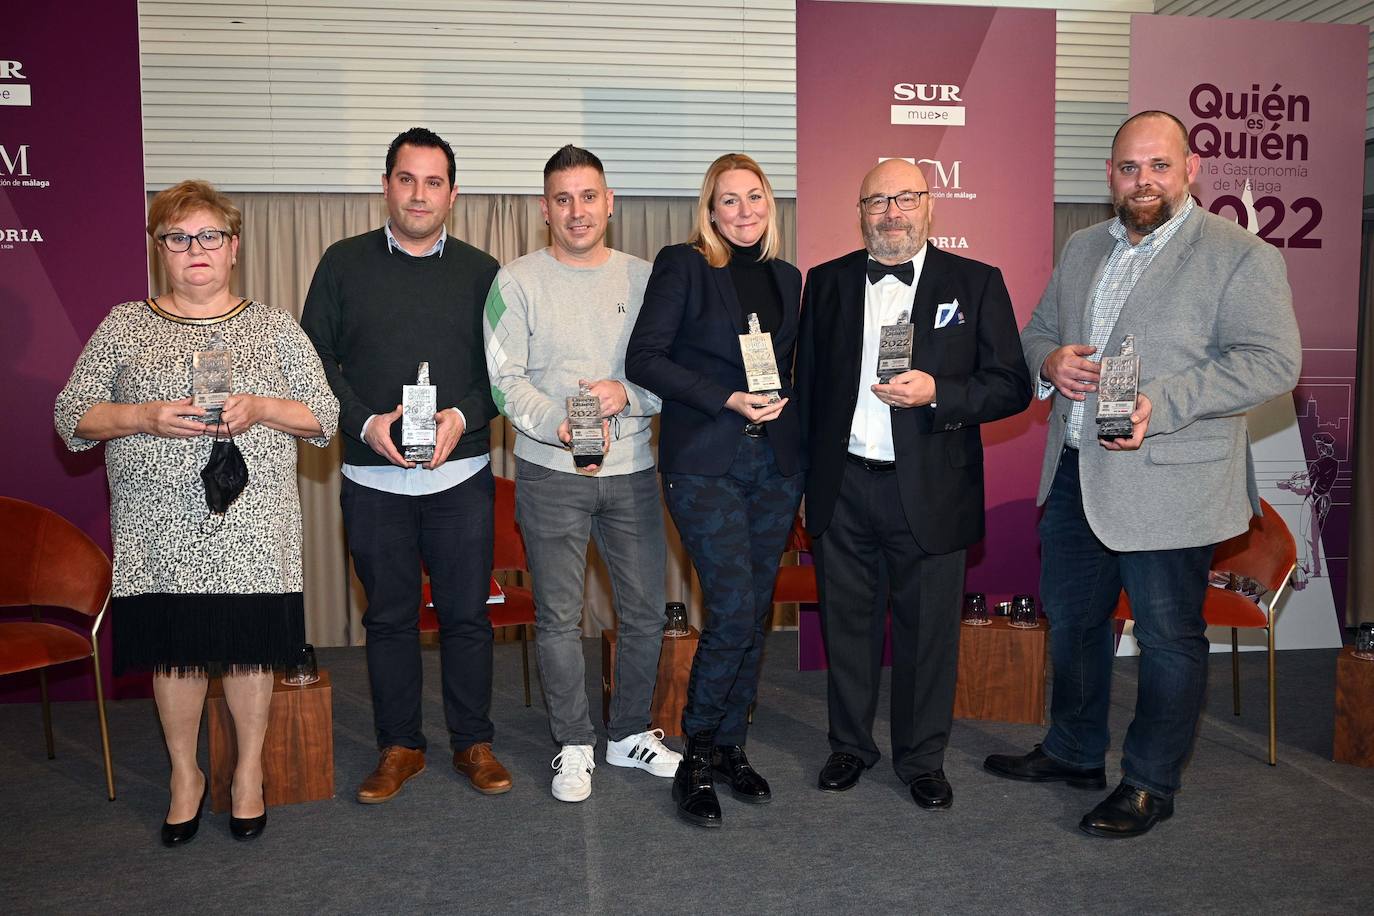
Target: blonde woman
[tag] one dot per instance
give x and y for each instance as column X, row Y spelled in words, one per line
column 730, row 459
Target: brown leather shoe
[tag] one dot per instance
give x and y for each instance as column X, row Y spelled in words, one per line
column 396, row 765
column 482, row 768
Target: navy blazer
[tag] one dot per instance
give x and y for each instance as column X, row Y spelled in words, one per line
column 685, row 349
column 980, row 376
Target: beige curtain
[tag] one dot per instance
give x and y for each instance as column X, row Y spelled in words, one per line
column 284, row 235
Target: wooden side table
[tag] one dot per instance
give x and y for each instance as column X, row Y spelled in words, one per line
column 1001, row 673
column 297, row 754
column 670, row 693
column 1354, row 736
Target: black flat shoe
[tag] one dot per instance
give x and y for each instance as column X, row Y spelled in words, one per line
column 745, row 782
column 840, row 773
column 932, row 791
column 180, row 834
column 1129, row 811
column 1037, row 766
column 247, row 828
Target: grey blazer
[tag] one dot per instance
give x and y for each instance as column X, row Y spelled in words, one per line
column 1213, row 322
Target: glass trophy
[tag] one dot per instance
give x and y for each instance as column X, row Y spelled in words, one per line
column 894, row 348
column 760, row 367
column 418, row 427
column 1116, row 391
column 676, row 624
column 584, row 423
column 212, row 376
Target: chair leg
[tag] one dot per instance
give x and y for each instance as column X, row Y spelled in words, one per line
column 104, row 724
column 47, row 710
column 1273, row 701
column 525, row 659
column 1235, row 671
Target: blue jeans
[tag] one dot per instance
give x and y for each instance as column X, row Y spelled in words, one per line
column 558, row 511
column 734, row 527
column 1080, row 581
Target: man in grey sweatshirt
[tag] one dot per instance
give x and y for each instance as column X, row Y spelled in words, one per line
column 557, row 321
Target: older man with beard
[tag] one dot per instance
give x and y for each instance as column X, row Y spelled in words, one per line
column 894, row 489
column 1208, row 310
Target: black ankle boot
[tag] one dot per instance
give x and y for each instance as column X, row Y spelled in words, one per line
column 745, row 782
column 693, row 789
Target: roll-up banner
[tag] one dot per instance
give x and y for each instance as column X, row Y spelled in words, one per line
column 1276, row 111
column 968, row 94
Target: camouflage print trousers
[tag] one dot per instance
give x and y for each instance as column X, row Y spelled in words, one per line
column 734, row 527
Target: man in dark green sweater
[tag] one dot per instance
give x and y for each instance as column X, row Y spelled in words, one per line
column 380, row 304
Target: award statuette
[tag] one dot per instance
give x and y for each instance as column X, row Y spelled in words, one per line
column 760, row 367
column 1116, row 391
column 212, row 375
column 418, row 428
column 584, row 422
column 894, row 348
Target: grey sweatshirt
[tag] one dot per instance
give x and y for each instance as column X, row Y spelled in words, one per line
column 549, row 324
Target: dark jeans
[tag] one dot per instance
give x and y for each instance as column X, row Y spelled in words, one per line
column 734, row 527
column 1080, row 581
column 388, row 535
column 866, row 558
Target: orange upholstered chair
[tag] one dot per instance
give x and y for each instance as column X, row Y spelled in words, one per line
column 1267, row 553
column 46, row 561
column 508, row 556
column 796, row 584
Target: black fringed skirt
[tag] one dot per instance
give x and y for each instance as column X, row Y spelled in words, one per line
column 186, row 635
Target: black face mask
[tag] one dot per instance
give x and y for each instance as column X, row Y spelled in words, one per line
column 225, row 474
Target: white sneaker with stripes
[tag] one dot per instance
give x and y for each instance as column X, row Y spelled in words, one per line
column 574, row 764
column 646, row 751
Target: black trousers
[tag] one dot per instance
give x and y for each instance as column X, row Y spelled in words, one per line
column 865, row 559
column 388, row 535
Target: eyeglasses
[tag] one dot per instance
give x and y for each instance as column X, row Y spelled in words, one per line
column 209, row 240
column 878, row 203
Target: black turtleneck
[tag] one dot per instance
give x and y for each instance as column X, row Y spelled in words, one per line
column 755, row 286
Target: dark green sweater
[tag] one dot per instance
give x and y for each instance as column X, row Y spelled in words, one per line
column 375, row 315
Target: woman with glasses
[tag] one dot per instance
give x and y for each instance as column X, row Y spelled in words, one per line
column 729, row 452
column 200, row 593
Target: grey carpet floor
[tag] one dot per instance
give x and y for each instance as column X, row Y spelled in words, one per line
column 1296, row 838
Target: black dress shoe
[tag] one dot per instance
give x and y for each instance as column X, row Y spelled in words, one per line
column 932, row 791
column 745, row 783
column 694, row 791
column 247, row 828
column 1129, row 811
column 1037, row 766
column 179, row 834
column 841, row 772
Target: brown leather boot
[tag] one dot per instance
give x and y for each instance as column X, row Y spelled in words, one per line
column 482, row 768
column 396, row 765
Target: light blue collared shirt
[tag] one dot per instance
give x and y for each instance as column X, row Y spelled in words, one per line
column 416, row 481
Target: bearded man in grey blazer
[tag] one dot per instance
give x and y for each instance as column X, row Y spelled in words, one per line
column 1210, row 313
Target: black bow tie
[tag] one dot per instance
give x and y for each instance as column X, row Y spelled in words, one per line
column 906, row 271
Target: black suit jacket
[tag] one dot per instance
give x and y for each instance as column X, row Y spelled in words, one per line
column 685, row 349
column 980, row 376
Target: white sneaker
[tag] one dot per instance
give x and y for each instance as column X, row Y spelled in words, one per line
column 574, row 765
column 645, row 750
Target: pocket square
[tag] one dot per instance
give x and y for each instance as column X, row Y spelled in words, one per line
column 945, row 312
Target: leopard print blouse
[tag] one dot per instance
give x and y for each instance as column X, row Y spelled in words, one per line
column 164, row 538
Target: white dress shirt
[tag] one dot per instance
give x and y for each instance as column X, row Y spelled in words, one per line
column 870, row 433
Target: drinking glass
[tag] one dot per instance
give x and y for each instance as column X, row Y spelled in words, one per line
column 304, row 668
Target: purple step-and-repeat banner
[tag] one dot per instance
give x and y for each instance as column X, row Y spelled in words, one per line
column 974, row 106
column 71, row 244
column 1276, row 111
